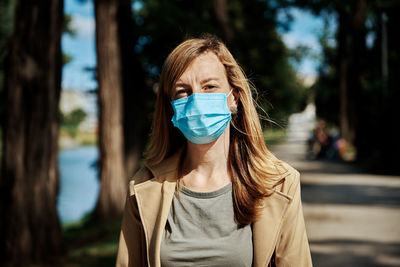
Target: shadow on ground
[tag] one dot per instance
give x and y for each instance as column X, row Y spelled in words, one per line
column 332, row 253
column 351, row 194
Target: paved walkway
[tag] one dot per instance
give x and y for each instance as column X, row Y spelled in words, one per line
column 352, row 218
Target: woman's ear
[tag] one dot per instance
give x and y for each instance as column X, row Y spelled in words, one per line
column 234, row 102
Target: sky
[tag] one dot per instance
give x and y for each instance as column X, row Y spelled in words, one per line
column 304, row 30
column 80, row 47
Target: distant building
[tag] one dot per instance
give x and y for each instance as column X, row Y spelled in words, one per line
column 74, row 99
column 71, row 100
column 89, row 124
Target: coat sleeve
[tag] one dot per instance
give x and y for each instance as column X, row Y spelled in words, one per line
column 132, row 244
column 292, row 248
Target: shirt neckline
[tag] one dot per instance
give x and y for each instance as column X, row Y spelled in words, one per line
column 210, row 194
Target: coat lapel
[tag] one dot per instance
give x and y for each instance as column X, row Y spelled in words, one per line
column 154, row 198
column 267, row 228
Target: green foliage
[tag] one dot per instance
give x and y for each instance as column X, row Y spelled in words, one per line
column 378, row 133
column 91, row 243
column 6, row 22
column 260, row 50
column 325, row 91
column 274, row 136
column 6, row 27
column 67, row 25
column 70, row 122
column 373, row 97
column 66, row 58
column 255, row 44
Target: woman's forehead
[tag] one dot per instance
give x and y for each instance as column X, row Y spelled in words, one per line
column 203, row 67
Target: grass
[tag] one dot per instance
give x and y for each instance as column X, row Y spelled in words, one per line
column 91, row 243
column 87, row 138
column 79, row 139
column 274, row 136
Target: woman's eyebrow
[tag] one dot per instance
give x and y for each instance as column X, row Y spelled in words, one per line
column 182, row 84
column 210, row 79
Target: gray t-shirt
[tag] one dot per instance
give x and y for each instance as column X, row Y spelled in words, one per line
column 201, row 231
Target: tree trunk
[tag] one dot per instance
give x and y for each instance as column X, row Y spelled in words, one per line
column 134, row 90
column 343, row 35
column 112, row 176
column 30, row 230
column 359, row 122
column 221, row 15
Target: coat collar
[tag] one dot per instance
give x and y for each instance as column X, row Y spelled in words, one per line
column 167, row 169
column 154, row 198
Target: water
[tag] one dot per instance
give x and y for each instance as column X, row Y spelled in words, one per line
column 79, row 185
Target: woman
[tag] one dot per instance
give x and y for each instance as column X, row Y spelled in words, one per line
column 211, row 193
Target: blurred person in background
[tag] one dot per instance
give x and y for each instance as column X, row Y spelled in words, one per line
column 210, row 193
column 320, row 142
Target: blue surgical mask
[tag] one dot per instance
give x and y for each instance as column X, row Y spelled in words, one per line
column 203, row 117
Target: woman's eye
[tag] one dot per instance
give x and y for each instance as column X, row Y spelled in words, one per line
column 180, row 93
column 210, row 87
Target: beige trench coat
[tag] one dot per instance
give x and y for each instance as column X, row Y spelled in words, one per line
column 279, row 229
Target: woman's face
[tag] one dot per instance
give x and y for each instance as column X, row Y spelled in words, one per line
column 205, row 74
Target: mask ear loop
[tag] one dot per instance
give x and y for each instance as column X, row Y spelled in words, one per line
column 233, row 109
column 227, row 154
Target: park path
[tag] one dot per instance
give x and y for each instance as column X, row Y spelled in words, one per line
column 352, row 218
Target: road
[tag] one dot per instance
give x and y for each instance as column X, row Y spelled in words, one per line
column 352, row 217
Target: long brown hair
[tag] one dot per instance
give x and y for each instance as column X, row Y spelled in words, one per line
column 254, row 169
